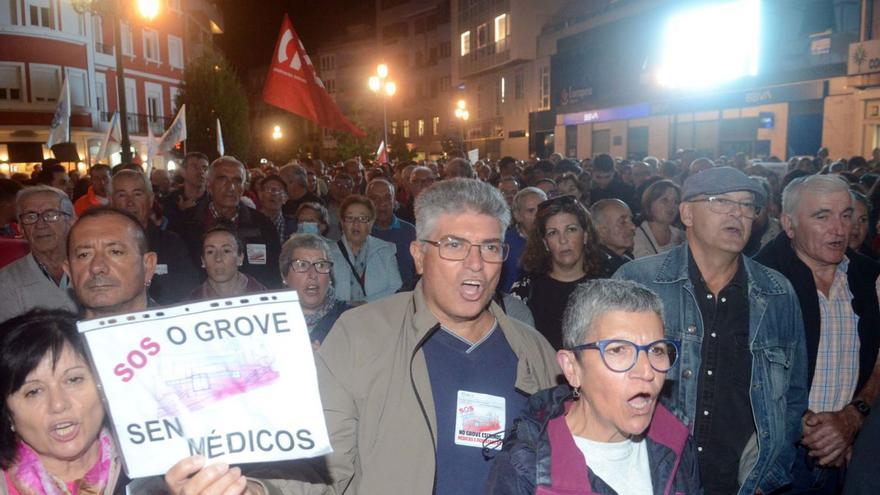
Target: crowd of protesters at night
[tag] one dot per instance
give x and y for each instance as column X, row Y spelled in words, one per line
column 670, row 326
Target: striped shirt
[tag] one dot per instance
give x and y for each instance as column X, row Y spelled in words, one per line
column 837, row 358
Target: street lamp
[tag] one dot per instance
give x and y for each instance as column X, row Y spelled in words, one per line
column 148, row 9
column 462, row 114
column 378, row 84
column 276, row 133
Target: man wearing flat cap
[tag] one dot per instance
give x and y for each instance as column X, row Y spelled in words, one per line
column 741, row 381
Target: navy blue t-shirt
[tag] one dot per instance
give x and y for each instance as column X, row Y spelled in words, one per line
column 485, row 368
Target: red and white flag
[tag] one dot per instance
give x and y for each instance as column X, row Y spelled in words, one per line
column 293, row 85
column 382, row 154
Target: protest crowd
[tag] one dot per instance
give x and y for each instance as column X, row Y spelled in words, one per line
column 671, row 326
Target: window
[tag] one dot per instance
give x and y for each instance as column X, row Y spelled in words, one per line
column 40, row 14
column 406, row 128
column 175, row 52
column 435, row 125
column 465, row 43
column 151, row 45
column 174, row 5
column 173, row 93
column 482, row 35
column 127, row 43
column 101, row 92
column 421, row 127
column 328, row 62
column 519, row 84
column 10, row 83
column 98, row 30
column 45, row 83
column 394, row 127
column 155, row 107
column 501, row 28
column 545, row 88
column 444, row 49
column 78, row 84
column 330, row 86
column 445, row 83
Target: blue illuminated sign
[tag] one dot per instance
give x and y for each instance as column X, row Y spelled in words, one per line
column 607, row 114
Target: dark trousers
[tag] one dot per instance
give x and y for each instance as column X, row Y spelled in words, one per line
column 808, row 478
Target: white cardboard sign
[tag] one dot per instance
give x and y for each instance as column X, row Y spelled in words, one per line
column 231, row 379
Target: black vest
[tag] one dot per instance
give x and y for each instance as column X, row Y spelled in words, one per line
column 861, row 276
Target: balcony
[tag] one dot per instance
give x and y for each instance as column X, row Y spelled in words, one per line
column 484, row 59
column 104, row 48
column 137, row 123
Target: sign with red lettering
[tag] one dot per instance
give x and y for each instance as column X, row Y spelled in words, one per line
column 230, row 379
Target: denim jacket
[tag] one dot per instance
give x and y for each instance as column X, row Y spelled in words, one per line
column 779, row 360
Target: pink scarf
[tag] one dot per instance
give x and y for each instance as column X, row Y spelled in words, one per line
column 29, row 477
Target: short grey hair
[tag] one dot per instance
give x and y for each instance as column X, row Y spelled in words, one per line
column 134, row 174
column 459, row 167
column 525, row 192
column 227, row 159
column 600, row 207
column 300, row 241
column 384, row 182
column 64, row 203
column 457, row 196
column 594, row 298
column 818, row 184
column 294, row 172
column 418, row 168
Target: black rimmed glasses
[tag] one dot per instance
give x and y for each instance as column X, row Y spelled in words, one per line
column 455, row 249
column 302, row 266
column 48, row 216
column 725, row 206
column 621, row 355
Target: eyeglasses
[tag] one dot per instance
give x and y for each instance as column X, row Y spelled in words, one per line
column 356, row 219
column 455, row 249
column 302, row 266
column 726, row 206
column 559, row 200
column 48, row 216
column 621, row 355
column 274, row 190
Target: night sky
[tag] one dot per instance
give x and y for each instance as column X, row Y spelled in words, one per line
column 252, row 26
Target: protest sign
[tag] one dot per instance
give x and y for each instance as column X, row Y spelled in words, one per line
column 473, row 155
column 230, row 379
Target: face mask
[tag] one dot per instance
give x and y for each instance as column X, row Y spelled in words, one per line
column 307, row 228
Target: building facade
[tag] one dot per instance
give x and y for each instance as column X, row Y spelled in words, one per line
column 43, row 42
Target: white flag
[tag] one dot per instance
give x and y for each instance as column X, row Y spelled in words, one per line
column 114, row 135
column 220, row 147
column 151, row 148
column 60, row 131
column 176, row 133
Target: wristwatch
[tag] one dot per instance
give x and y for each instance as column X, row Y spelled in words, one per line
column 861, row 406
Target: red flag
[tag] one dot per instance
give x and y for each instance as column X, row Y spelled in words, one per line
column 293, row 85
column 382, row 154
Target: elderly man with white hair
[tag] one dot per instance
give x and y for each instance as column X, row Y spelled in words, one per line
column 411, row 383
column 838, row 293
column 38, row 279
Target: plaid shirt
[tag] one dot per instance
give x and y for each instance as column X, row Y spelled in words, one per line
column 837, row 358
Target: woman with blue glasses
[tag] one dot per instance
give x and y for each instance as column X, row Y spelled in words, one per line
column 605, row 431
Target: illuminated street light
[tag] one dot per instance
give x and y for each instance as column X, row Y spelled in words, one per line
column 462, row 114
column 148, row 9
column 115, row 11
column 378, row 84
column 276, row 133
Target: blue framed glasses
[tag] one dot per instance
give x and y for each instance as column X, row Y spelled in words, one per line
column 621, row 355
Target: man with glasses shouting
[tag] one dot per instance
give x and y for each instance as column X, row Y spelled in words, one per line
column 740, row 384
column 38, row 280
column 415, row 384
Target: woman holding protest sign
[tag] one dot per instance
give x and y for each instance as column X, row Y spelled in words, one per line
column 222, row 255
column 306, row 267
column 53, row 437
